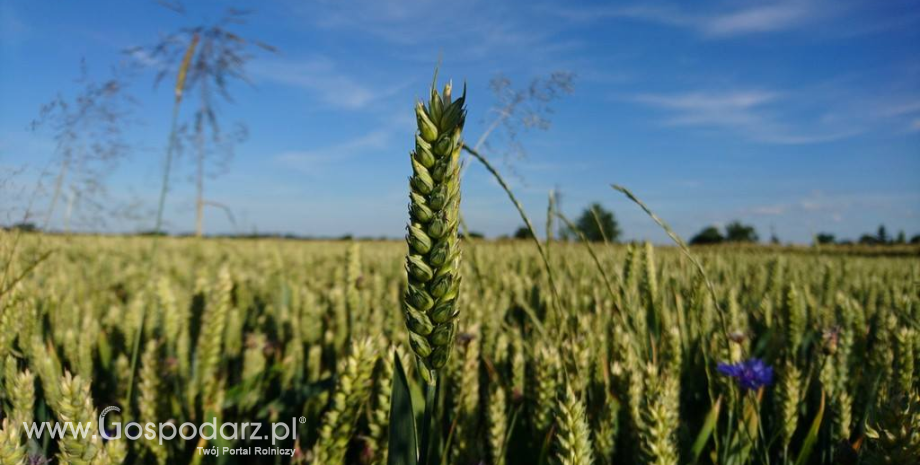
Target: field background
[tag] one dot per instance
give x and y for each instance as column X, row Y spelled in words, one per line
column 624, row 361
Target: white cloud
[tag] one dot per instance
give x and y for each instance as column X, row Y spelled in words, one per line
column 309, row 161
column 900, row 108
column 760, row 18
column 380, row 138
column 470, row 30
column 323, row 78
column 769, row 210
column 773, row 17
column 818, row 205
column 750, row 113
column 13, row 29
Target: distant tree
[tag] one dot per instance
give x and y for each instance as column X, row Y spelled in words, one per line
column 825, row 238
column 882, row 235
column 151, row 233
column 868, row 239
column 901, row 239
column 24, row 227
column 737, row 232
column 709, row 235
column 523, row 233
column 774, row 239
column 598, row 223
column 915, row 239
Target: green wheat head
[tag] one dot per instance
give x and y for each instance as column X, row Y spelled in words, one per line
column 433, row 262
column 12, row 448
column 574, row 438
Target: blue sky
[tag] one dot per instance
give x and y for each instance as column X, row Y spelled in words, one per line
column 798, row 116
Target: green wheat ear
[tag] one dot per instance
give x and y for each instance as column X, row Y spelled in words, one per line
column 433, row 262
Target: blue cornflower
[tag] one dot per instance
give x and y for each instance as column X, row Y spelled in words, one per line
column 751, row 374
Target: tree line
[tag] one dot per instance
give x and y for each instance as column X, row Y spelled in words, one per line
column 597, row 224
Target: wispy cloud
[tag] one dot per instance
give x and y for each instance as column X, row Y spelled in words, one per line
column 470, row 30
column 377, row 139
column 750, row 113
column 767, row 18
column 13, row 30
column 759, row 18
column 820, row 205
column 323, row 78
column 308, row 161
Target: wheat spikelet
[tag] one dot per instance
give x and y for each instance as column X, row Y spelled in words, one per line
column 789, row 397
column 579, row 358
column 660, row 412
column 233, row 333
column 672, row 349
column 12, row 448
column 518, row 366
column 882, row 357
column 796, row 316
column 115, row 453
column 352, row 294
column 148, row 391
column 122, row 372
column 433, row 262
column 210, row 341
column 904, row 357
column 76, row 406
column 497, row 423
column 89, row 334
column 574, row 441
column 173, row 321
column 351, row 393
column 631, row 268
column 465, row 378
column 843, row 420
column 48, row 367
column 20, row 390
column 635, row 389
column 547, row 372
column 895, row 437
column 9, row 323
column 254, row 356
column 607, row 429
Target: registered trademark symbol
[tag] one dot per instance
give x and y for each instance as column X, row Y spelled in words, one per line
column 303, row 420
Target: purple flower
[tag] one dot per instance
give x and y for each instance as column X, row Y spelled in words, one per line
column 751, row 374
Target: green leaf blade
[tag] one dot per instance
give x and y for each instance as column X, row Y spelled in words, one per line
column 403, row 441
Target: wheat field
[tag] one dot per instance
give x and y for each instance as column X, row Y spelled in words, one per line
column 632, row 360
